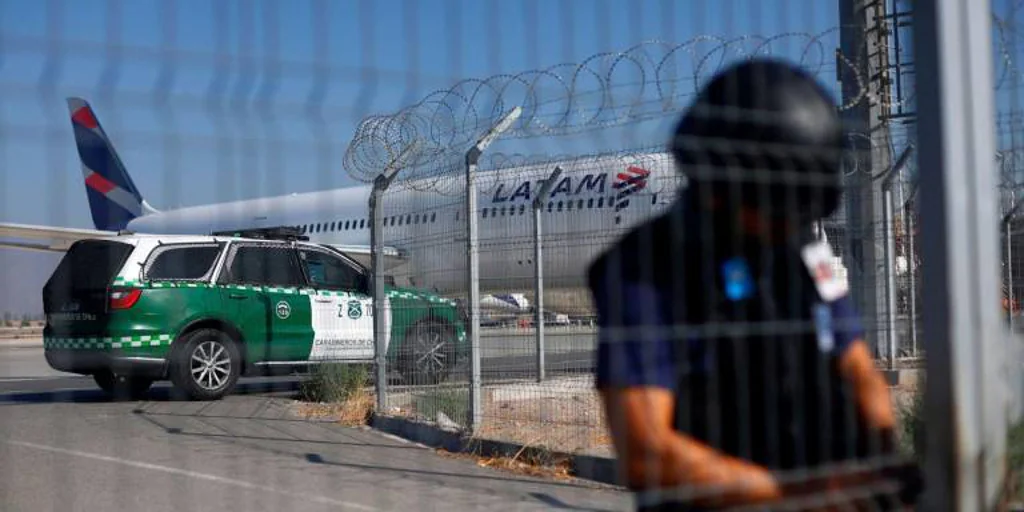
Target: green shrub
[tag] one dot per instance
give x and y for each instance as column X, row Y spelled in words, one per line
column 912, row 426
column 334, row 382
column 913, row 442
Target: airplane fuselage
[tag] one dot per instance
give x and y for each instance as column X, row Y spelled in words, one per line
column 590, row 206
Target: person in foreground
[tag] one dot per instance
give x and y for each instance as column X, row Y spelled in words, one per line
column 731, row 363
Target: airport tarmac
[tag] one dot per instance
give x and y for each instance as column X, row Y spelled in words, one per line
column 64, row 445
column 505, row 354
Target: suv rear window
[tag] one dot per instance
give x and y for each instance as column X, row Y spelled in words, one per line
column 90, row 265
column 187, row 262
column 84, row 273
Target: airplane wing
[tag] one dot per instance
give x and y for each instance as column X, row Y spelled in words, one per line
column 392, row 257
column 45, row 238
column 58, row 239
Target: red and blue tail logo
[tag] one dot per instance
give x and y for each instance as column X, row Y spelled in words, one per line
column 627, row 183
column 113, row 198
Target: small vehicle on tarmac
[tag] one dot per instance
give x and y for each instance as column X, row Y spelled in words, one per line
column 202, row 311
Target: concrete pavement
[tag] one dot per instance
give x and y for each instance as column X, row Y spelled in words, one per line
column 242, row 453
column 65, row 446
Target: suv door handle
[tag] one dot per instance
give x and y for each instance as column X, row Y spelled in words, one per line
column 237, row 296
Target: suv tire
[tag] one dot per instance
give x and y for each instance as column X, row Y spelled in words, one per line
column 428, row 352
column 206, row 364
column 122, row 387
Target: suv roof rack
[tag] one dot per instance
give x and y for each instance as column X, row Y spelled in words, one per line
column 287, row 233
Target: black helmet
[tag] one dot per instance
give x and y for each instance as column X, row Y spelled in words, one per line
column 764, row 129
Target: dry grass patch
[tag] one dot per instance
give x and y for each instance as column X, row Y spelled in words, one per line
column 339, row 392
column 520, row 464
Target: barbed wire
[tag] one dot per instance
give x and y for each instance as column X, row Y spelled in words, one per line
column 610, row 89
column 645, row 82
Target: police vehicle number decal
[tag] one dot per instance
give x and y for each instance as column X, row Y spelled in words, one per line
column 820, row 262
column 343, row 328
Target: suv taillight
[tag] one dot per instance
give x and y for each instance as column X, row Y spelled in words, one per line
column 124, row 299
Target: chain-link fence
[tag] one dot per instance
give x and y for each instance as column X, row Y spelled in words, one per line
column 437, row 193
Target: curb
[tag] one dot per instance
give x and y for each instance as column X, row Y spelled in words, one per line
column 589, row 467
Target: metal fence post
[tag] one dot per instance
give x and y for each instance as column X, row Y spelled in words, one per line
column 538, row 256
column 380, row 185
column 890, row 275
column 890, row 252
column 965, row 402
column 1007, row 221
column 911, row 252
column 473, row 266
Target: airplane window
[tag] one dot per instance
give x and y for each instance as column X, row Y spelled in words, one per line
column 654, row 198
column 568, row 205
column 408, row 219
column 550, row 205
column 361, row 222
column 416, row 219
column 579, row 205
column 433, row 216
column 347, row 224
column 494, row 212
column 503, row 210
column 522, row 208
column 600, row 202
column 590, row 202
column 334, row 226
column 485, row 213
column 559, row 206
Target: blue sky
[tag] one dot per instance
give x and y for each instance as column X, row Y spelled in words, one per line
column 124, row 55
column 206, row 100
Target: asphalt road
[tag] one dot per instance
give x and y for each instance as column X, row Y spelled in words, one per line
column 65, row 446
column 504, row 355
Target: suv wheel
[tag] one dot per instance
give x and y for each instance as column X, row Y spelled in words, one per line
column 206, row 365
column 428, row 352
column 122, row 386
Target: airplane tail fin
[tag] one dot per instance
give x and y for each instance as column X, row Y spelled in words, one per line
column 114, row 200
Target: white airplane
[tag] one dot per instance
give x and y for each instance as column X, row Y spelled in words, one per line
column 595, row 201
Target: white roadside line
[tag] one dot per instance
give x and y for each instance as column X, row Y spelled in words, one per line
column 191, row 474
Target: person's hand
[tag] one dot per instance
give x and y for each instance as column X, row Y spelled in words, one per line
column 857, row 489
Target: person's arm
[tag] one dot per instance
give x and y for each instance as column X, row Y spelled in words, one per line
column 870, row 388
column 636, row 378
column 857, row 366
column 654, row 455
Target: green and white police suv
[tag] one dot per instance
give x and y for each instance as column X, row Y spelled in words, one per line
column 203, row 310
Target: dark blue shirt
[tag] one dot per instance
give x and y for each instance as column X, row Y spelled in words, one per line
column 739, row 333
column 650, row 359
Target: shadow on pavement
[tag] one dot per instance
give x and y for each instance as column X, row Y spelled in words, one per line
column 316, row 458
column 159, row 393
